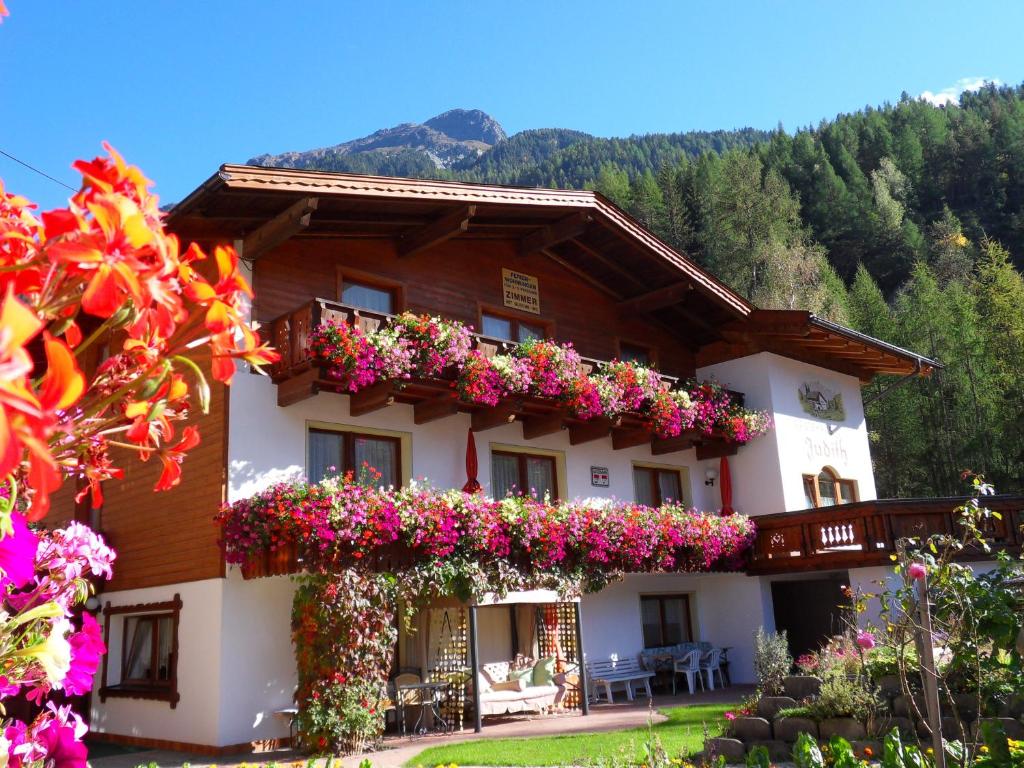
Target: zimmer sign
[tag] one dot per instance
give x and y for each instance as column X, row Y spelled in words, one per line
column 520, row 291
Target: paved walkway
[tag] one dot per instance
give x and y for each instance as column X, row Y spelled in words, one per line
column 396, row 751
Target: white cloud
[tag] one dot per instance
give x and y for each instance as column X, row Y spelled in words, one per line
column 951, row 94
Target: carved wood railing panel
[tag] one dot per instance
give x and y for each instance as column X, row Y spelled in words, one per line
column 865, row 533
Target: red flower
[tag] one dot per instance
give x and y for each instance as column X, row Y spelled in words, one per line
column 172, row 458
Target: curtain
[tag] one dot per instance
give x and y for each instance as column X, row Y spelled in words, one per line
column 164, row 637
column 526, row 629
column 504, row 475
column 540, row 476
column 366, row 297
column 650, row 619
column 668, row 486
column 137, row 664
column 643, row 490
column 378, row 454
column 325, row 452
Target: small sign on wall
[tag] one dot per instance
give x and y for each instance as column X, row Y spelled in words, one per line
column 520, row 291
column 599, row 477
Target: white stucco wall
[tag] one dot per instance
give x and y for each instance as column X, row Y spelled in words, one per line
column 267, row 448
column 726, row 610
column 200, row 657
column 257, row 672
column 768, row 473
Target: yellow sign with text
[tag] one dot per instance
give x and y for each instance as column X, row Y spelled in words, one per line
column 520, row 291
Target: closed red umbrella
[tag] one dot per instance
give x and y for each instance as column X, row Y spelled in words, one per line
column 471, row 486
column 725, row 485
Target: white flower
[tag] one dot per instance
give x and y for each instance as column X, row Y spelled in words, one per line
column 54, row 654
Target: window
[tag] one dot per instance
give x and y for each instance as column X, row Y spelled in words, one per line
column 654, row 486
column 365, row 296
column 666, row 620
column 634, row 353
column 334, row 452
column 146, row 654
column 510, row 328
column 523, row 474
column 148, row 651
column 826, row 489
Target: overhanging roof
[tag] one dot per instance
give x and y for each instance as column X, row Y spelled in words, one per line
column 803, row 336
column 579, row 229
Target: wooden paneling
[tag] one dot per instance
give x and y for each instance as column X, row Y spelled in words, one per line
column 452, row 279
column 170, row 536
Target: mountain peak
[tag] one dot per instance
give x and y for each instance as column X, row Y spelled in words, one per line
column 468, row 125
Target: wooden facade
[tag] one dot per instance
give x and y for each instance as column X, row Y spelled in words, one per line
column 459, row 280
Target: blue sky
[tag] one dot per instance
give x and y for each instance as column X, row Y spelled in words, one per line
column 180, row 87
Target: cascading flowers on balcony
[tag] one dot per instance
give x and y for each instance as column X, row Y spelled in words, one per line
column 500, row 544
column 413, row 345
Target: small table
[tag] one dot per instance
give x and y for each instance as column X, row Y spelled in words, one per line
column 663, row 665
column 429, row 699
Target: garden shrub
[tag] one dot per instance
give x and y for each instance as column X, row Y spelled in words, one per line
column 844, row 696
column 772, row 661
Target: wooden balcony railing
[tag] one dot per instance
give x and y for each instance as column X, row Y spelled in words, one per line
column 297, row 379
column 865, row 533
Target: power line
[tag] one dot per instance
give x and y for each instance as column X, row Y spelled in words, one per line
column 31, row 168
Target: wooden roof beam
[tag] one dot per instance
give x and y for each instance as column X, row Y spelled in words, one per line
column 282, row 227
column 437, row 231
column 564, row 229
column 659, row 298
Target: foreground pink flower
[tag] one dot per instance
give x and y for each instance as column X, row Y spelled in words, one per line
column 17, row 554
column 917, row 571
column 866, row 640
column 730, row 716
column 87, row 647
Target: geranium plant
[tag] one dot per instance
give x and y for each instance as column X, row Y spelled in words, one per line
column 430, row 347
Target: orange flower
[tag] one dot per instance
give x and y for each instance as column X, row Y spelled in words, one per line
column 172, row 458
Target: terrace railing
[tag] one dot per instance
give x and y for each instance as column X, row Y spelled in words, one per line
column 297, row 378
column 865, row 533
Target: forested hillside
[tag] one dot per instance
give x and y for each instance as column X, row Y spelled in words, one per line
column 905, row 222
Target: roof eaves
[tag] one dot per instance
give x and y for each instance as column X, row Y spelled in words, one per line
column 863, row 338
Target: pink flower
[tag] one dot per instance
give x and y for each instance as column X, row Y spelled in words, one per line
column 17, row 554
column 62, row 745
column 730, row 716
column 917, row 571
column 86, row 649
column 865, row 640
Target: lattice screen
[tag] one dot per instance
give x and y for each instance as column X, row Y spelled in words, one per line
column 450, row 663
column 556, row 636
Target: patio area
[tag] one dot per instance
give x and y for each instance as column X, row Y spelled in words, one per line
column 398, row 750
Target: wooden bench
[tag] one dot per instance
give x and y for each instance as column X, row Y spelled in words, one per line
column 607, row 673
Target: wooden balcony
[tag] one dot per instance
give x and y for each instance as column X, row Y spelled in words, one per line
column 865, row 533
column 435, row 398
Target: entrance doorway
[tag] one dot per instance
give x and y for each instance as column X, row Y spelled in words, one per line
column 810, row 610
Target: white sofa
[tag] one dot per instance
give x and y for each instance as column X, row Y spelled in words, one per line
column 500, row 696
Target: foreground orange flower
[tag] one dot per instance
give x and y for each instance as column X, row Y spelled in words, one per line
column 103, row 272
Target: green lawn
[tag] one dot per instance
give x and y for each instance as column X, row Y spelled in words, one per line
column 681, row 735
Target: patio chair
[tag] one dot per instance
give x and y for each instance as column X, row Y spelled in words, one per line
column 711, row 663
column 689, row 665
column 405, row 699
